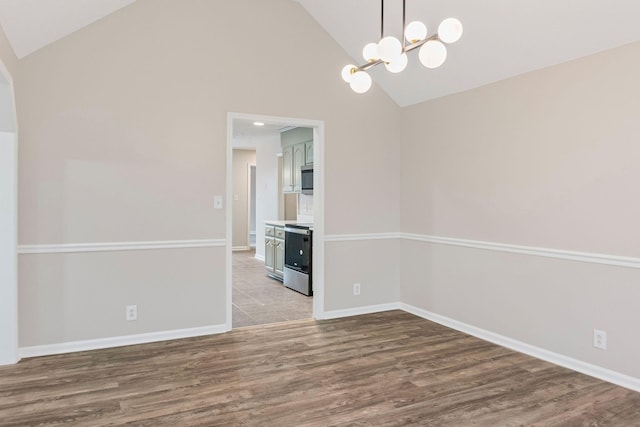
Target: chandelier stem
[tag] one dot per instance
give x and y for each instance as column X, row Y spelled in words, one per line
column 404, row 23
column 381, row 19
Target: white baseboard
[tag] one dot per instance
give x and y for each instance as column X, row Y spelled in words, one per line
column 356, row 311
column 100, row 343
column 259, row 257
column 240, row 248
column 608, row 375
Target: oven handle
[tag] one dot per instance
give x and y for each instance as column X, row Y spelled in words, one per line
column 297, row 231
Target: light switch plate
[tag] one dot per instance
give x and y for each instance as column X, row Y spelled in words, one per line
column 217, row 202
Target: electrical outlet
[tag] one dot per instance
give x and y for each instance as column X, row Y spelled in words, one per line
column 217, row 202
column 132, row 312
column 356, row 288
column 600, row 339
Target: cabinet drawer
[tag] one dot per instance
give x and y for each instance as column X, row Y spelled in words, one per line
column 280, row 233
column 269, row 231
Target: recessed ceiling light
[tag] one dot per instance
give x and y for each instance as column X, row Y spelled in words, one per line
column 258, row 124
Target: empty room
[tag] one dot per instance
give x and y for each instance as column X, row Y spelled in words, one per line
column 319, row 213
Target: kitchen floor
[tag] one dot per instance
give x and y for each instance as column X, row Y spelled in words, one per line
column 258, row 299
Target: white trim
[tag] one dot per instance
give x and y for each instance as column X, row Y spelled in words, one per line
column 614, row 377
column 357, row 311
column 259, row 257
column 359, row 237
column 119, row 246
column 240, row 248
column 100, row 343
column 8, row 248
column 594, row 258
column 9, row 352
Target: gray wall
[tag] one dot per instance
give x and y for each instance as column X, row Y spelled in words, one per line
column 550, row 160
column 123, row 139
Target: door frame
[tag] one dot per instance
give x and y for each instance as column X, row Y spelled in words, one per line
column 9, row 344
column 318, row 206
column 250, row 203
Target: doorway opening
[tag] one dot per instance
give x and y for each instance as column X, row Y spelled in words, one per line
column 256, row 203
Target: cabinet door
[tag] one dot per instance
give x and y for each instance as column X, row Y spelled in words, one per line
column 287, row 169
column 278, row 265
column 269, row 253
column 298, row 162
column 308, row 148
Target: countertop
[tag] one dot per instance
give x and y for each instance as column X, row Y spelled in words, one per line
column 281, row 223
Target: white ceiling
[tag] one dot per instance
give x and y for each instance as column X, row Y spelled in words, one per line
column 502, row 38
column 33, row 24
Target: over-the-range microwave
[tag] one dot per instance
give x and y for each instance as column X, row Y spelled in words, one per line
column 306, row 179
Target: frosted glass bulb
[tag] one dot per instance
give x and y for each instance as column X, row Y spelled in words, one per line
column 416, row 31
column 389, row 48
column 398, row 65
column 370, row 52
column 450, row 30
column 347, row 72
column 432, row 54
column 360, row 82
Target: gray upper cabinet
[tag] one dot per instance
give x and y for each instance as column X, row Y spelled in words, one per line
column 298, row 162
column 287, row 169
column 308, row 148
column 297, row 151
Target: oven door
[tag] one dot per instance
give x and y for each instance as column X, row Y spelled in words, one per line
column 297, row 249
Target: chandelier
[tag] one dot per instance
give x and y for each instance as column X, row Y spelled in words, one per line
column 393, row 53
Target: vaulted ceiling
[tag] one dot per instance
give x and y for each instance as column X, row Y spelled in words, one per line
column 502, row 38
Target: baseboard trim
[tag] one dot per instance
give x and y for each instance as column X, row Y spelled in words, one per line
column 259, row 257
column 608, row 375
column 357, row 311
column 241, row 248
column 119, row 246
column 102, row 343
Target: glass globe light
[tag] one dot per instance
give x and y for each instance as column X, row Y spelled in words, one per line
column 389, row 48
column 347, row 72
column 360, row 82
column 370, row 52
column 432, row 54
column 450, row 30
column 397, row 65
column 416, row 31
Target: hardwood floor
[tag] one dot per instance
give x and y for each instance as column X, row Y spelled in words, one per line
column 258, row 299
column 385, row 369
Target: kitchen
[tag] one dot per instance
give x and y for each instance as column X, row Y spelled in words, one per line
column 272, row 278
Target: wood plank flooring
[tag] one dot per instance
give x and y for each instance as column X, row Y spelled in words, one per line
column 258, row 299
column 385, row 369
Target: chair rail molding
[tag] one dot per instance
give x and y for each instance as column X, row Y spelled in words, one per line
column 589, row 257
column 119, row 246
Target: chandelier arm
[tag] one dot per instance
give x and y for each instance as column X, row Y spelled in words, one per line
column 409, row 48
column 421, row 42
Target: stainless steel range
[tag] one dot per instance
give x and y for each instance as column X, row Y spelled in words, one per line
column 297, row 258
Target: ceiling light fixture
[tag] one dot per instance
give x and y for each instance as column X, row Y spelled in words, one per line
column 393, row 53
column 258, row 124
